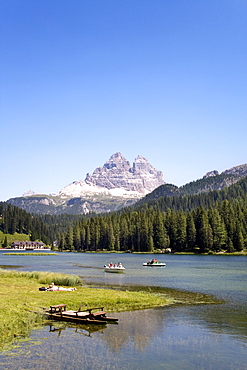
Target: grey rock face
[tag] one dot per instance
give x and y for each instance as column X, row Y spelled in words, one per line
column 210, row 174
column 240, row 171
column 116, row 184
column 117, row 173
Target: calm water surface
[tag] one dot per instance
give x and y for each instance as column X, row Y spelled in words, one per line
column 181, row 337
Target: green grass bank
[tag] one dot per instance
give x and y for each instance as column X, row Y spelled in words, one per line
column 20, row 296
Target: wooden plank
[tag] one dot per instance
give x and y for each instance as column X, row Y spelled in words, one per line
column 99, row 313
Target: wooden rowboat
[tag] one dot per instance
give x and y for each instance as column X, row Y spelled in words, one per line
column 77, row 320
column 58, row 312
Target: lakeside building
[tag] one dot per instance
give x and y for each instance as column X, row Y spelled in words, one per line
column 27, row 245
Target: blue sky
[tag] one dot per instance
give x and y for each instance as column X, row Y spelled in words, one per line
column 81, row 80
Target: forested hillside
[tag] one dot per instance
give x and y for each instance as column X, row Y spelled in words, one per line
column 14, row 219
column 189, row 202
column 201, row 223
column 212, row 221
column 201, row 186
column 37, row 227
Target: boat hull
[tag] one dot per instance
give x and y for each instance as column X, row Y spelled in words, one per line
column 91, row 316
column 74, row 319
column 115, row 270
column 159, row 264
column 58, row 312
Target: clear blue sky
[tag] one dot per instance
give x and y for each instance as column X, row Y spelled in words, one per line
column 83, row 79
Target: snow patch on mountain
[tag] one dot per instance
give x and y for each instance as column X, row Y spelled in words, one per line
column 117, row 178
column 81, row 188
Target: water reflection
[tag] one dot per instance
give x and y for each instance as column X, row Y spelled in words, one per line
column 201, row 336
column 160, row 339
column 138, row 327
column 224, row 319
column 85, row 330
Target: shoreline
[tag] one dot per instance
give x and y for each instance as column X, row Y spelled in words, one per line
column 50, row 251
column 22, row 297
column 157, row 253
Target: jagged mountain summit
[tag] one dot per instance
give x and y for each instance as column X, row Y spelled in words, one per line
column 118, row 184
column 118, row 178
column 238, row 171
column 114, row 185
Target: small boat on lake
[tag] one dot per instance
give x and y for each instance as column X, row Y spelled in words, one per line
column 154, row 262
column 59, row 313
column 115, row 268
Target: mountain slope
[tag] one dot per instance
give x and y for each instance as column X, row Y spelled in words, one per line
column 108, row 188
column 189, row 202
column 211, row 181
column 116, row 185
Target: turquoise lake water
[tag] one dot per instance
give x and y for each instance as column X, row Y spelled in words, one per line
column 177, row 337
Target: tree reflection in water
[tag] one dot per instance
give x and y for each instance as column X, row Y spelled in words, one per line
column 138, row 327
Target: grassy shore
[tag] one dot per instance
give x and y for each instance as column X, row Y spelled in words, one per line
column 20, row 297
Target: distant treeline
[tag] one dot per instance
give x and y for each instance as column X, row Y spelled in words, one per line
column 201, row 230
column 38, row 227
column 212, row 221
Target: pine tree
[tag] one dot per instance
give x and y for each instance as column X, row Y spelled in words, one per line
column 181, row 232
column 144, row 236
column 70, row 239
column 124, row 234
column 77, row 238
column 190, row 233
column 160, row 235
column 111, row 237
column 218, row 229
column 171, row 227
column 238, row 240
column 203, row 231
column 88, row 238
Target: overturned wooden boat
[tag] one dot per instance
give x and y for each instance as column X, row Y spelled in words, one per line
column 89, row 316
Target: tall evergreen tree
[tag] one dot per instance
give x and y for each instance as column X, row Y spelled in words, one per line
column 203, row 231
column 181, row 232
column 70, row 239
column 190, row 233
column 218, row 229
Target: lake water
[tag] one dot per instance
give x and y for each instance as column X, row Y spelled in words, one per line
column 177, row 337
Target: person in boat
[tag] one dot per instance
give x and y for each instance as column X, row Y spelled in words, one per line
column 53, row 287
column 119, row 264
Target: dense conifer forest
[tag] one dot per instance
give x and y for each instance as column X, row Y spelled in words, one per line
column 37, row 227
column 202, row 223
column 212, row 221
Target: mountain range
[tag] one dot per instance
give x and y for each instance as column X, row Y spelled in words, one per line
column 117, row 184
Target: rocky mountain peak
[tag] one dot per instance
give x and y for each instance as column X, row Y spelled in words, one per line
column 117, row 173
column 211, row 173
column 116, row 185
column 118, row 161
column 237, row 170
column 141, row 166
